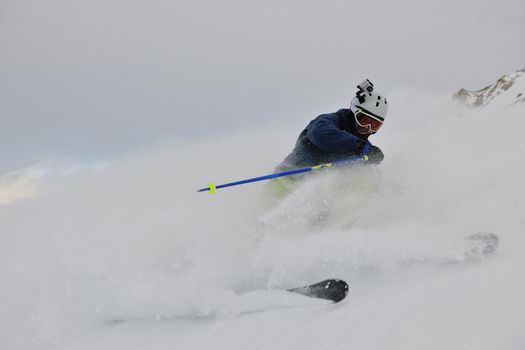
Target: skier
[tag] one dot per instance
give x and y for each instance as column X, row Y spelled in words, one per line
column 331, row 137
column 336, row 136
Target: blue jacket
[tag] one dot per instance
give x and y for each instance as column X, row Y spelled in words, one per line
column 327, row 138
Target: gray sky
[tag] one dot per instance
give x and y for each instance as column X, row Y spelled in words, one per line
column 100, row 77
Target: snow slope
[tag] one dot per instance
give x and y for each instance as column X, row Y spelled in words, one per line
column 132, row 257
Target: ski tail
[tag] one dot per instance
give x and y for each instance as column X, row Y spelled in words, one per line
column 330, row 289
column 481, row 245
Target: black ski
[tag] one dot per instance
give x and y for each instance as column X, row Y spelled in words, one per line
column 331, row 289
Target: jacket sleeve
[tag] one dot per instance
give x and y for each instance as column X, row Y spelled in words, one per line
column 324, row 133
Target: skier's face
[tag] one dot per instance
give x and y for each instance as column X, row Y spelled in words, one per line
column 362, row 130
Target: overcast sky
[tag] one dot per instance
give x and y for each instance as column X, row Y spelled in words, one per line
column 95, row 78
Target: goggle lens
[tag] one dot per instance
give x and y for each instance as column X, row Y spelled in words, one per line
column 366, row 120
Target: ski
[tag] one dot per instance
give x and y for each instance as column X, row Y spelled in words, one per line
column 330, row 289
column 480, row 245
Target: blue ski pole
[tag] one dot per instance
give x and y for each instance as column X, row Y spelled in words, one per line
column 212, row 187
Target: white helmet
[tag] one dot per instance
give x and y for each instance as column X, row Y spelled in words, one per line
column 369, row 101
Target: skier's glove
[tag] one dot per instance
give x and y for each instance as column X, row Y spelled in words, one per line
column 375, row 155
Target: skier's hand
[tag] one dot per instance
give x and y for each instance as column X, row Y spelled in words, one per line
column 375, row 155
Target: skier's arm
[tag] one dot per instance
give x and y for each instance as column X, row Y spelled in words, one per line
column 324, row 133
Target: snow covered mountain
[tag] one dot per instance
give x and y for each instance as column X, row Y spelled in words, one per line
column 507, row 91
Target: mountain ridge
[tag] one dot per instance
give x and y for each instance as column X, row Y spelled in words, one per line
column 509, row 89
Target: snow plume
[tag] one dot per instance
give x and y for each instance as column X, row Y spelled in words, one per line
column 132, row 257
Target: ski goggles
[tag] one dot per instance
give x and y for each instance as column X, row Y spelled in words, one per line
column 369, row 121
